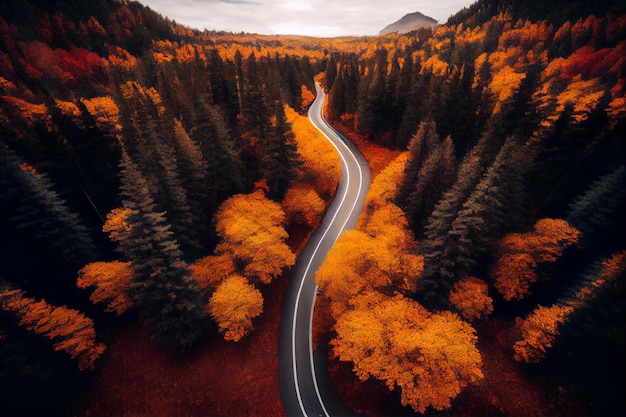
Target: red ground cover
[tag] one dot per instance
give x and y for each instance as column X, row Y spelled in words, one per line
column 219, row 379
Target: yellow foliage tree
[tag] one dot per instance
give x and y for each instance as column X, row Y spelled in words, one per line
column 429, row 357
column 105, row 112
column 358, row 263
column 69, row 330
column 307, row 96
column 252, row 230
column 321, row 166
column 111, row 282
column 233, row 305
column 303, row 206
column 470, row 297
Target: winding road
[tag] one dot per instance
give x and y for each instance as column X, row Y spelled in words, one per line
column 305, row 386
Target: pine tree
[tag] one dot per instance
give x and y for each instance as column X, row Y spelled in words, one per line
column 423, row 142
column 435, row 176
column 225, row 168
column 437, row 244
column 194, row 170
column 487, row 213
column 163, row 288
column 594, row 211
column 280, row 159
column 69, row 330
column 33, row 207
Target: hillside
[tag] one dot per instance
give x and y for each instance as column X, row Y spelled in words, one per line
column 409, row 23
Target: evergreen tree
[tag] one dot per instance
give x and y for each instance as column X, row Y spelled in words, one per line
column 35, row 210
column 491, row 210
column 437, row 244
column 596, row 210
column 423, row 142
column 225, row 168
column 195, row 170
column 163, row 288
column 435, row 176
column 280, row 158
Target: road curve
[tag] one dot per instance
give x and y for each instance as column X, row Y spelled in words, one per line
column 305, row 386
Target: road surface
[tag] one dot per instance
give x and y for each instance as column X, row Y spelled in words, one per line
column 305, row 386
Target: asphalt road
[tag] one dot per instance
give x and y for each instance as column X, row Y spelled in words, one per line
column 305, row 386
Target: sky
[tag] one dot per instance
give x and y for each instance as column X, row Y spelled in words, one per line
column 320, row 18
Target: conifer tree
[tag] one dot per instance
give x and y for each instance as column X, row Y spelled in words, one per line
column 195, row 170
column 162, row 287
column 33, row 207
column 487, row 213
column 437, row 243
column 421, row 145
column 225, row 169
column 594, row 211
column 435, row 176
column 280, row 158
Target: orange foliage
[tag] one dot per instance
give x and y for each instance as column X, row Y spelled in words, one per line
column 28, row 111
column 105, row 112
column 67, row 108
column 553, row 236
column 539, row 330
column 210, row 271
column 28, row 168
column 69, row 330
column 515, row 268
column 435, row 66
column 307, row 96
column 583, row 96
column 120, row 57
column 112, row 284
column 321, row 162
column 251, row 227
column 514, row 273
column 470, row 297
column 303, row 206
column 117, row 224
column 359, row 262
column 386, row 184
column 504, row 85
column 7, row 86
column 233, row 305
column 430, row 357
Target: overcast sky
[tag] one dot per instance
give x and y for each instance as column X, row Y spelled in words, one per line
column 323, row 18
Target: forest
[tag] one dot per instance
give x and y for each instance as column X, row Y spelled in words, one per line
column 157, row 183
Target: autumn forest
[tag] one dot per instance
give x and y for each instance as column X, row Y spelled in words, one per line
column 158, row 182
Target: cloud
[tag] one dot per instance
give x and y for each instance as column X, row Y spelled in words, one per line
column 307, row 17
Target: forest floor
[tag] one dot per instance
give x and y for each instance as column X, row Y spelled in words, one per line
column 219, row 379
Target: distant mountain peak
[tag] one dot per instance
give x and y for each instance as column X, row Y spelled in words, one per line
column 409, row 23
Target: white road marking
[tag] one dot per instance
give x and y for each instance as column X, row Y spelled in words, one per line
column 306, row 271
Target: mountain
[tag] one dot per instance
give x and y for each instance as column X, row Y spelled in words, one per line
column 409, row 23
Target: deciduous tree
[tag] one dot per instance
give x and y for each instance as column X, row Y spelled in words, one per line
column 69, row 330
column 110, row 282
column 233, row 305
column 429, row 357
column 251, row 227
column 470, row 297
column 516, row 266
column 539, row 330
